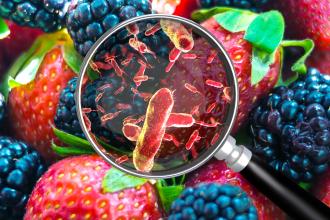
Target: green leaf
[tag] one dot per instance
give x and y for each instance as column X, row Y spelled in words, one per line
column 305, row 186
column 72, row 57
column 71, row 140
column 4, row 30
column 203, row 14
column 70, row 151
column 115, row 180
column 308, row 45
column 235, row 20
column 266, row 31
column 299, row 67
column 11, row 73
column 92, row 75
column 261, row 62
column 168, row 194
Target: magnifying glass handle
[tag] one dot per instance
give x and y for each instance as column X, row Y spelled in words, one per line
column 291, row 198
column 287, row 195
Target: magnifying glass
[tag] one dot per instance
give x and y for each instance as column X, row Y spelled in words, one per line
column 149, row 106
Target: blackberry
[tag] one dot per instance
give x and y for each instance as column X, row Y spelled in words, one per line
column 49, row 15
column 66, row 115
column 213, row 201
column 89, row 19
column 2, row 109
column 291, row 127
column 253, row 5
column 20, row 168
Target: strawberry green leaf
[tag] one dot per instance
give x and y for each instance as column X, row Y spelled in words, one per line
column 305, row 186
column 235, row 20
column 266, row 31
column 14, row 69
column 203, row 14
column 261, row 62
column 70, row 151
column 115, row 180
column 71, row 140
column 4, row 30
column 308, row 45
column 168, row 193
column 92, row 75
column 299, row 67
column 77, row 142
column 72, row 57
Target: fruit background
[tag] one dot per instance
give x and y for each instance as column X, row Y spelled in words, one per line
column 49, row 171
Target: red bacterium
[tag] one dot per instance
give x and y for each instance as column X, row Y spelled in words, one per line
column 122, row 159
column 214, row 84
column 211, row 57
column 98, row 97
column 204, row 124
column 152, row 30
column 100, row 109
column 191, row 88
column 211, row 107
column 170, row 137
column 119, row 90
column 131, row 131
column 152, row 133
column 109, row 116
column 180, row 120
column 123, row 106
column 140, row 47
column 194, row 137
column 189, row 56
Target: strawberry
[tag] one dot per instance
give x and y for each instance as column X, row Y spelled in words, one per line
column 307, row 18
column 322, row 188
column 321, row 61
column 76, row 188
column 217, row 171
column 185, row 8
column 36, row 81
column 18, row 41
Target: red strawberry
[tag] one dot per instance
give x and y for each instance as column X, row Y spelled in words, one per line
column 322, row 188
column 321, row 61
column 185, row 8
column 32, row 106
column 19, row 40
column 217, row 171
column 73, row 189
column 307, row 19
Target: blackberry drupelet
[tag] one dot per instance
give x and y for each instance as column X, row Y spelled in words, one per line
column 20, row 168
column 254, row 5
column 291, row 127
column 2, row 109
column 213, row 201
column 89, row 19
column 49, row 15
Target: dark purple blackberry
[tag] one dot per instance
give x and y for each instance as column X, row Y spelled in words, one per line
column 89, row 19
column 2, row 109
column 291, row 127
column 49, row 15
column 254, row 5
column 213, row 201
column 20, row 168
column 66, row 115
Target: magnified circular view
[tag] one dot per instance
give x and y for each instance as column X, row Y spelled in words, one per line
column 144, row 109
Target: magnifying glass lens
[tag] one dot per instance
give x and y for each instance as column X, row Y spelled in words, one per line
column 156, row 96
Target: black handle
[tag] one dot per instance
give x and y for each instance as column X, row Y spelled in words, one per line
column 287, row 195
